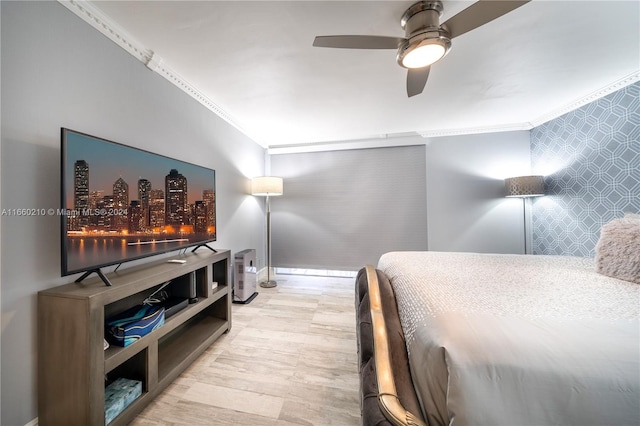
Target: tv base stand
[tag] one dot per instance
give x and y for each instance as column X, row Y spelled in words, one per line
column 102, row 276
column 204, row 245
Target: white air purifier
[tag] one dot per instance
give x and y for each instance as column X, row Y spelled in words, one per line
column 244, row 276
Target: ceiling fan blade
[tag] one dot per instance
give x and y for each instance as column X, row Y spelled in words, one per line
column 358, row 42
column 479, row 14
column 416, row 80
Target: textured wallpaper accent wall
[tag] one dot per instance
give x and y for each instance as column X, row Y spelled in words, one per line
column 591, row 161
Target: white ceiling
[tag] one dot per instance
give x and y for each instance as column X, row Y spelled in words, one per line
column 254, row 61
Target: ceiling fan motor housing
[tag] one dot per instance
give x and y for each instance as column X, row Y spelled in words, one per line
column 421, row 23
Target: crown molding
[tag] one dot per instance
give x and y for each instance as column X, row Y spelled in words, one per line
column 98, row 20
column 615, row 86
column 396, row 139
column 156, row 64
column 475, row 130
column 600, row 93
column 379, row 141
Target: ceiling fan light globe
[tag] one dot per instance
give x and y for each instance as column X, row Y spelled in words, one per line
column 420, row 54
column 423, row 56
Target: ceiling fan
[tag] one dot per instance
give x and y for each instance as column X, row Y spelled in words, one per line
column 425, row 41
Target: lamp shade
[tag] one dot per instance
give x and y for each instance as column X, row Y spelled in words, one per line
column 524, row 186
column 266, row 186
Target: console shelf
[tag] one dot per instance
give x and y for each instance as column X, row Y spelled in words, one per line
column 198, row 335
column 72, row 364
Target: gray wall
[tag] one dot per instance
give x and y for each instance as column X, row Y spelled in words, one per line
column 466, row 206
column 58, row 71
column 591, row 160
column 342, row 210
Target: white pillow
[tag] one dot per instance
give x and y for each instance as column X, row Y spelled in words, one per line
column 618, row 250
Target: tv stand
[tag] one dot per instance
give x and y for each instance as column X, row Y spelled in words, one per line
column 73, row 366
column 204, row 245
column 102, row 276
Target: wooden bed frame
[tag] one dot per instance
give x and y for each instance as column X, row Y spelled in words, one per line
column 387, row 395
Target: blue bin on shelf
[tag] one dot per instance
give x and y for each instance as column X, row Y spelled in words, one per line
column 132, row 324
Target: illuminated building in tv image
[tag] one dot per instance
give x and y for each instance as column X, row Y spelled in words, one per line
column 156, row 208
column 120, row 203
column 95, row 197
column 175, row 191
column 135, row 217
column 200, row 217
column 105, row 218
column 209, row 198
column 144, row 189
column 81, row 190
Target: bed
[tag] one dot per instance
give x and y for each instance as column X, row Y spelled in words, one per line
column 480, row 339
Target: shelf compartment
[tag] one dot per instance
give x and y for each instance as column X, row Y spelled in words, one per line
column 219, row 273
column 115, row 355
column 135, row 367
column 178, row 318
column 192, row 338
column 202, row 282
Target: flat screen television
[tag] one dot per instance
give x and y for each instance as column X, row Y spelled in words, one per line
column 121, row 203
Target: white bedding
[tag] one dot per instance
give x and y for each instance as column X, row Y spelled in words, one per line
column 518, row 340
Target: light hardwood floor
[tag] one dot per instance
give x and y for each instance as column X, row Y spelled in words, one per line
column 289, row 359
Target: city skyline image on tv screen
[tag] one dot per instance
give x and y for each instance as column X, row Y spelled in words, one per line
column 121, row 203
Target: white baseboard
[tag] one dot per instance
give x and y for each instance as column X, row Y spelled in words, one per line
column 261, row 275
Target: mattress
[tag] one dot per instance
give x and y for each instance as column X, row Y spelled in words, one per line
column 518, row 340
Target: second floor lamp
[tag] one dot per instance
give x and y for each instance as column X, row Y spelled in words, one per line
column 525, row 187
column 267, row 186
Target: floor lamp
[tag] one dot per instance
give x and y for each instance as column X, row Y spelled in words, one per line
column 524, row 187
column 267, row 186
